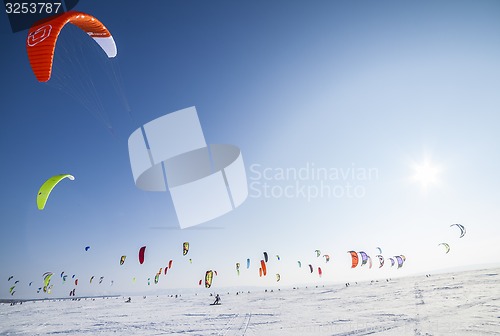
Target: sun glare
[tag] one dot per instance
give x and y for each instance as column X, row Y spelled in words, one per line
column 426, row 174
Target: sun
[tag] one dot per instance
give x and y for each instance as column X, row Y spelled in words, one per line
column 426, row 173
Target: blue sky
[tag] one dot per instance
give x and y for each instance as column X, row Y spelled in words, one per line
column 341, row 86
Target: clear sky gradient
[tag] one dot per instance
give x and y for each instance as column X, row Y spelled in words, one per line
column 363, row 92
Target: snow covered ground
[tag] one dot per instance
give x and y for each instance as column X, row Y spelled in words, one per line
column 465, row 303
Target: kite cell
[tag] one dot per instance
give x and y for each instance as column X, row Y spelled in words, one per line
column 265, row 257
column 46, row 189
column 42, row 38
column 185, row 248
column 204, row 181
column 462, row 229
column 122, row 259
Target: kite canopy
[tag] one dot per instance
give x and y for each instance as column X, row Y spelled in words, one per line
column 446, row 246
column 46, row 280
column 400, row 261
column 42, row 38
column 462, row 229
column 263, row 267
column 46, row 189
column 364, row 258
column 355, row 258
column 208, row 278
column 141, row 254
column 381, row 260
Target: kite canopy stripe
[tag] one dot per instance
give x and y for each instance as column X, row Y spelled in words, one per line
column 46, row 189
column 42, row 38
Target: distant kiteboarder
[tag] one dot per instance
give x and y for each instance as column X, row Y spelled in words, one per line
column 128, row 300
column 217, row 300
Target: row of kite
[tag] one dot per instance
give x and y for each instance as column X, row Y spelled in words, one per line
column 47, row 287
column 209, row 275
column 366, row 259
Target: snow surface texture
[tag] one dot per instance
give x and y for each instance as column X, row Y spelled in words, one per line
column 466, row 303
